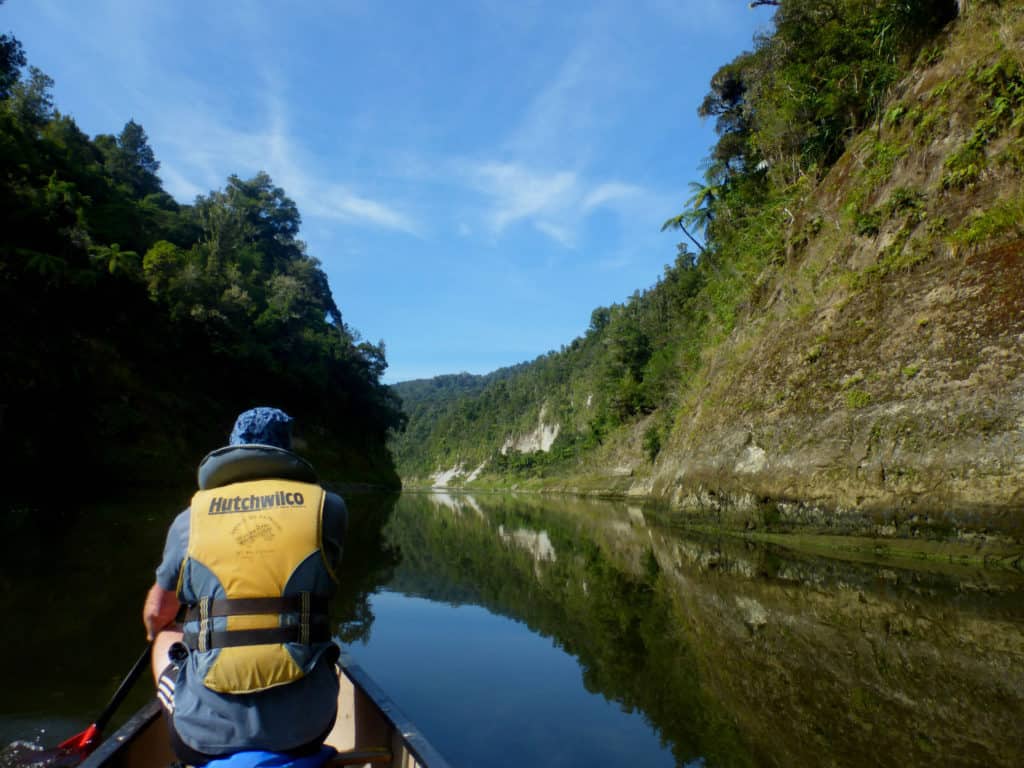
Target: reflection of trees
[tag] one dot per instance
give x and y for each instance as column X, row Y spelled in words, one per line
column 613, row 617
column 368, row 564
column 741, row 653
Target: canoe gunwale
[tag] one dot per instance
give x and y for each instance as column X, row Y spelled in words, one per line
column 110, row 751
column 123, row 736
column 424, row 752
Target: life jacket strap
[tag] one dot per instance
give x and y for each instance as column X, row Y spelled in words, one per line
column 312, row 626
column 317, row 633
column 249, row 606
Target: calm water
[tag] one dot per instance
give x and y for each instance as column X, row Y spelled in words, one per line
column 524, row 631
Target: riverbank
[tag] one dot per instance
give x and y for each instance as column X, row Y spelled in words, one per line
column 919, row 542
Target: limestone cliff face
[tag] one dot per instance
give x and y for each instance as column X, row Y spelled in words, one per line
column 877, row 379
column 540, row 439
column 905, row 398
column 873, row 379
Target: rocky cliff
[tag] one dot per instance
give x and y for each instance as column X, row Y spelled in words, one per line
column 873, row 378
column 878, row 379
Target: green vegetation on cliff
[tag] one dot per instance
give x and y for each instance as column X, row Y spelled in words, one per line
column 137, row 327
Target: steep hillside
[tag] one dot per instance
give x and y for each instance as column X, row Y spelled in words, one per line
column 423, row 399
column 849, row 350
column 137, row 328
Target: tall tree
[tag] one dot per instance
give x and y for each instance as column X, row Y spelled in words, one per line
column 12, row 59
column 132, row 162
column 31, row 99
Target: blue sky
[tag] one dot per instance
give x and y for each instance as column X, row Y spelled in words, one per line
column 475, row 177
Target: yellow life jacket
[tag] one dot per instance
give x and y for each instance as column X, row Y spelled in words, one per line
column 245, row 607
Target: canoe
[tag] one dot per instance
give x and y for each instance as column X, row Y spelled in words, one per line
column 369, row 731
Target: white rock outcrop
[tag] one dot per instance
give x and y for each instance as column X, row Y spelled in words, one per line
column 540, row 439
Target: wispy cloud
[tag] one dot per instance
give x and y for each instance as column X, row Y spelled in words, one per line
column 542, row 172
column 560, row 234
column 207, row 149
column 559, row 112
column 561, row 123
column 556, row 203
column 341, row 204
column 178, row 185
column 521, row 193
column 202, row 137
column 610, row 192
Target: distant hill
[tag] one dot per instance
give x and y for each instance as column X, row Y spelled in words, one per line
column 846, row 350
column 425, row 402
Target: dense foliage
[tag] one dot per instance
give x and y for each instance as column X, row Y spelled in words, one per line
column 784, row 113
column 137, row 327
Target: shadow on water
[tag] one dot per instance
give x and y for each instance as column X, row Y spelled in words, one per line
column 368, row 563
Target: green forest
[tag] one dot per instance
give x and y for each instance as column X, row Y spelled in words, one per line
column 138, row 327
column 825, row 79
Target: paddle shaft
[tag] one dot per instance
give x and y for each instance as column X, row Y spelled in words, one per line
column 86, row 741
column 141, row 664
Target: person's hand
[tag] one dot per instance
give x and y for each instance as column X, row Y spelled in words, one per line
column 159, row 610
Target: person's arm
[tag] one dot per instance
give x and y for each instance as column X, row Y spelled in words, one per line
column 161, row 605
column 159, row 610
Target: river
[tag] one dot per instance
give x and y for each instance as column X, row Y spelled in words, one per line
column 521, row 630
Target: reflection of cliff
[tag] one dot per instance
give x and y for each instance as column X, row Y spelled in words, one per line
column 745, row 655
column 536, row 543
column 882, row 666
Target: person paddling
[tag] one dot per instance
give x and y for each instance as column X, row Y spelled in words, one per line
column 253, row 561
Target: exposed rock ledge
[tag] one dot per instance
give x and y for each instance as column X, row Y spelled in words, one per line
column 540, row 439
column 936, row 445
column 455, row 476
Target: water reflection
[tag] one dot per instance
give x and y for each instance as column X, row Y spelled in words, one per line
column 736, row 653
column 489, row 692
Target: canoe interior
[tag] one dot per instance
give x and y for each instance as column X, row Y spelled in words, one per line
column 369, row 731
